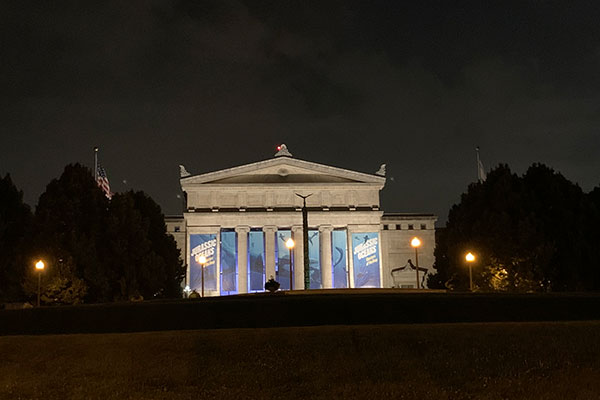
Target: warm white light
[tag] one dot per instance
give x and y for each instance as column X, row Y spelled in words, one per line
column 39, row 265
column 290, row 243
column 202, row 260
column 470, row 257
column 187, row 289
column 415, row 242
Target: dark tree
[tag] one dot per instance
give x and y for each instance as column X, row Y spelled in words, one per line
column 171, row 271
column 126, row 248
column 530, row 233
column 15, row 232
column 70, row 222
column 144, row 259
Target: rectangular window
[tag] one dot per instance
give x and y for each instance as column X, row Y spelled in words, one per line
column 177, row 229
column 229, row 267
column 256, row 261
column 282, row 258
column 398, row 227
column 339, row 259
column 423, row 226
column 410, row 227
column 385, row 227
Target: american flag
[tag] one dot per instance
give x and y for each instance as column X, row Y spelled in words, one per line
column 102, row 182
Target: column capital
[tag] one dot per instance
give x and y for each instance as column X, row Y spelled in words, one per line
column 269, row 228
column 242, row 229
column 296, row 228
column 325, row 228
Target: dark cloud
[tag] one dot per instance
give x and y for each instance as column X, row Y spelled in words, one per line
column 212, row 84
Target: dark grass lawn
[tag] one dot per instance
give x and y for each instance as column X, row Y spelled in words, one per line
column 506, row 360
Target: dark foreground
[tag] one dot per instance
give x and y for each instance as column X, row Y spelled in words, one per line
column 349, row 307
column 534, row 360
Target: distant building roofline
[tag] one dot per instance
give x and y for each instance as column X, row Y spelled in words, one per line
column 409, row 215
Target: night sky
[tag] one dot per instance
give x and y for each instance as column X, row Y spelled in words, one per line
column 215, row 84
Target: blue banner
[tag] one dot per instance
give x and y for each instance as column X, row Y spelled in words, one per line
column 282, row 271
column 203, row 245
column 256, row 261
column 228, row 263
column 314, row 255
column 365, row 250
column 339, row 261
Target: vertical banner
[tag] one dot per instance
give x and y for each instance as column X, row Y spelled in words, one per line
column 203, row 245
column 283, row 259
column 365, row 250
column 339, row 260
column 228, row 263
column 314, row 255
column 256, row 261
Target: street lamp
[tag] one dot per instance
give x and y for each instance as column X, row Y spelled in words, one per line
column 305, row 240
column 40, row 267
column 202, row 261
column 415, row 242
column 470, row 259
column 290, row 245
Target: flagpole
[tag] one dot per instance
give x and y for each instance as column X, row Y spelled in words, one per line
column 478, row 164
column 95, row 164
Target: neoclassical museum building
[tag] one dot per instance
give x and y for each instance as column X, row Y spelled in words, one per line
column 237, row 222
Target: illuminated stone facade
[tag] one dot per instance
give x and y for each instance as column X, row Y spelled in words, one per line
column 240, row 218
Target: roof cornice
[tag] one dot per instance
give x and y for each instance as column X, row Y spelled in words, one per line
column 288, row 161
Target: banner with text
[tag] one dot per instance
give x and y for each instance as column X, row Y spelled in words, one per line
column 365, row 250
column 203, row 245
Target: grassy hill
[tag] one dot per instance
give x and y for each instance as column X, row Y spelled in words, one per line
column 349, row 307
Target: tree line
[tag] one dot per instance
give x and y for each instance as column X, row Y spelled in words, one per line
column 96, row 249
column 534, row 232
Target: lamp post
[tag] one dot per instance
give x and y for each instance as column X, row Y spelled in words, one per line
column 290, row 245
column 202, row 261
column 415, row 242
column 305, row 240
column 39, row 266
column 470, row 259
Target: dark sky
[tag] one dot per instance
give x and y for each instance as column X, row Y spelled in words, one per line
column 214, row 84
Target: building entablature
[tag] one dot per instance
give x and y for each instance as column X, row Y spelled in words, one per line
column 285, row 219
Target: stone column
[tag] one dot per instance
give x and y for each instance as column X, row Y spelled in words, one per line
column 242, row 257
column 269, row 251
column 298, row 257
column 325, row 245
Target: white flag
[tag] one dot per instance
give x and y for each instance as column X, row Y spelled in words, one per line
column 480, row 170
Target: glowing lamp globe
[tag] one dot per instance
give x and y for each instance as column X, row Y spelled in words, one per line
column 415, row 242
column 39, row 265
column 470, row 257
column 290, row 243
column 202, row 260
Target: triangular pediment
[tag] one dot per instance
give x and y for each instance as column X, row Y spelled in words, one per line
column 282, row 170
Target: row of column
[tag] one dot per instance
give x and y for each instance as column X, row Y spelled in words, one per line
column 298, row 264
